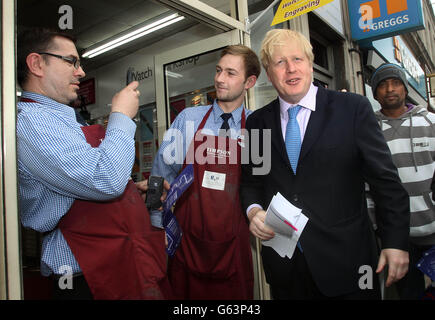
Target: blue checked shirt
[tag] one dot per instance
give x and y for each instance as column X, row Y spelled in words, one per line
column 180, row 135
column 56, row 166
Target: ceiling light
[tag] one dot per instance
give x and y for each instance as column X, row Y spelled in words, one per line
column 140, row 32
column 173, row 74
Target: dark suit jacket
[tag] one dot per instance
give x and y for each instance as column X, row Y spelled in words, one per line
column 342, row 148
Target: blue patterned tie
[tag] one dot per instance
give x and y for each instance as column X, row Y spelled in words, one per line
column 293, row 142
column 293, row 137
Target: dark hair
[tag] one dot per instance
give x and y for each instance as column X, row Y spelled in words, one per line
column 252, row 64
column 35, row 40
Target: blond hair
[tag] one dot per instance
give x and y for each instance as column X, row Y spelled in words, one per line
column 280, row 37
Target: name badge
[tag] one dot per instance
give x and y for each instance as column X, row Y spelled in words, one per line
column 214, row 180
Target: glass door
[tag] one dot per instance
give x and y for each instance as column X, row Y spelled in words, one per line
column 185, row 77
column 10, row 260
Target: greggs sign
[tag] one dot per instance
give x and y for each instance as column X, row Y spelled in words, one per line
column 376, row 19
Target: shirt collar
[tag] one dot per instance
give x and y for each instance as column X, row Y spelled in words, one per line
column 308, row 102
column 50, row 103
column 236, row 114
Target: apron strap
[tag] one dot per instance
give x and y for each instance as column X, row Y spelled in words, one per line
column 204, row 120
column 28, row 100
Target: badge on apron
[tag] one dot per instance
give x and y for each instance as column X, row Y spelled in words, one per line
column 214, row 180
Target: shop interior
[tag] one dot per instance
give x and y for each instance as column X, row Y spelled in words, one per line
column 188, row 81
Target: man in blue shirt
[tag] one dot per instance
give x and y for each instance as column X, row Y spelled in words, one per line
column 59, row 166
column 214, row 258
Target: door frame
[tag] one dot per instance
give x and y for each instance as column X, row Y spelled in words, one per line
column 10, row 257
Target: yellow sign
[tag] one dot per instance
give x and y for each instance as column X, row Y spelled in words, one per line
column 289, row 9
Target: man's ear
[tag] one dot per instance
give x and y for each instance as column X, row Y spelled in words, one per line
column 268, row 77
column 250, row 82
column 34, row 62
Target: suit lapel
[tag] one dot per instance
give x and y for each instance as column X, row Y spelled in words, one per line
column 316, row 123
column 274, row 119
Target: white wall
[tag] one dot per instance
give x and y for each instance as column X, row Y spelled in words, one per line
column 111, row 78
column 331, row 14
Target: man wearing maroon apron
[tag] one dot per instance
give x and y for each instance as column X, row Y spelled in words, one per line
column 121, row 255
column 214, row 258
column 74, row 181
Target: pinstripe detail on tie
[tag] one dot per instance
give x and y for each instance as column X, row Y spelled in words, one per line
column 293, row 137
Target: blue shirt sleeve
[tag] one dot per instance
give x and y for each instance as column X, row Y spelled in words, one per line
column 57, row 155
column 170, row 157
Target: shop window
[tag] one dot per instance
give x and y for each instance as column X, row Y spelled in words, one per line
column 223, row 6
column 320, row 53
column 264, row 92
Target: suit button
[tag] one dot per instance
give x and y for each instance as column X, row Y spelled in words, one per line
column 295, row 198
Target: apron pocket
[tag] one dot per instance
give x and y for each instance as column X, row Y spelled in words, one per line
column 208, row 259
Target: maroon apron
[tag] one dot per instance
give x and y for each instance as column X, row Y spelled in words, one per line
column 120, row 254
column 214, row 258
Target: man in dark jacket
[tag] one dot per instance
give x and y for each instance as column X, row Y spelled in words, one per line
column 321, row 168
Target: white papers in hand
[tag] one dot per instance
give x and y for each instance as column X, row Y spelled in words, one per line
column 288, row 222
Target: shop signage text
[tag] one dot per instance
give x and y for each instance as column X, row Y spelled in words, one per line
column 183, row 63
column 140, row 75
column 407, row 61
column 394, row 50
column 376, row 19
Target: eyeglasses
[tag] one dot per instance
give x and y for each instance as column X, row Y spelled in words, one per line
column 72, row 60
